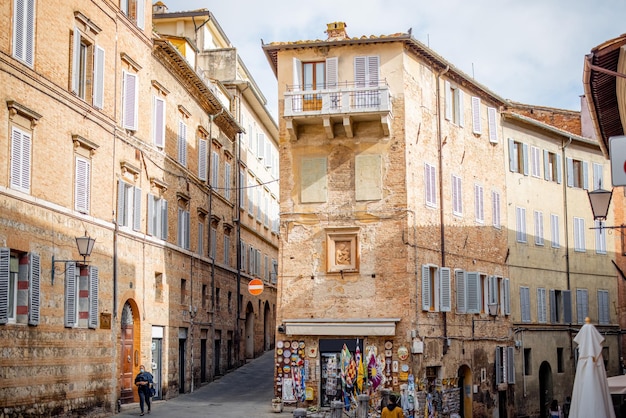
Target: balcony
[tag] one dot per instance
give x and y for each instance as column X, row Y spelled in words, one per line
column 346, row 104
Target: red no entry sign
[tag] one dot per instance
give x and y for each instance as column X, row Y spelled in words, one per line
column 255, row 287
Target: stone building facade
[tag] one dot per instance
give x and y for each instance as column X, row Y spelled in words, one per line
column 110, row 132
column 396, row 226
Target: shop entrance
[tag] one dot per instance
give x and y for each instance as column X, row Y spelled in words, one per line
column 330, row 382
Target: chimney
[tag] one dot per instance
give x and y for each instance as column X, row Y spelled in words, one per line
column 336, row 31
column 158, row 8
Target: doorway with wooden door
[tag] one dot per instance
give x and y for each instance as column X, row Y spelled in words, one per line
column 129, row 353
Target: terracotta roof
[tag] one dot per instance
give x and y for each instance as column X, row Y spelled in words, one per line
column 563, row 119
column 600, row 89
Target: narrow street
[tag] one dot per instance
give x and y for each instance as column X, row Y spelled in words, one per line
column 245, row 392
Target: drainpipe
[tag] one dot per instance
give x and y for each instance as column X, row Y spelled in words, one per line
column 565, row 224
column 441, row 211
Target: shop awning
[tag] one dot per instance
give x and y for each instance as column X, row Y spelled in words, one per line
column 342, row 327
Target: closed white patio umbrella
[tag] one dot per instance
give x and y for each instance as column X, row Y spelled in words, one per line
column 591, row 396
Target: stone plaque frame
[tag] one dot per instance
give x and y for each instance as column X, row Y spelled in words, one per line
column 342, row 251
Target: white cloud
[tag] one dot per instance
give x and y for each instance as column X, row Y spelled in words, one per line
column 528, row 51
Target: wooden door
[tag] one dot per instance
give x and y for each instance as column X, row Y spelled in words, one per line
column 126, row 368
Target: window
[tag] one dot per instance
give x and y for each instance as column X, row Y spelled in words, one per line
column 496, row 293
column 135, row 10
column 476, row 122
column 436, row 290
column 430, row 185
column 217, row 299
column 81, row 296
column 577, row 173
column 457, row 196
column 20, row 275
column 366, row 74
column 560, row 361
column 479, row 207
column 598, row 176
column 552, row 167
column 183, row 290
column 518, row 157
column 495, row 208
column 554, row 230
column 24, row 31
column 603, row 307
column 541, row 305
column 205, row 296
column 259, row 202
column 560, row 306
column 130, row 101
column 505, row 365
column 227, row 181
column 454, row 103
column 128, row 205
column 82, row 179
column 579, row 234
column 535, row 159
column 492, row 114
column 226, row 250
column 201, row 238
column 87, row 68
column 202, row 159
column 215, row 169
column 600, row 238
column 158, row 121
column 157, row 217
column 469, row 292
column 260, row 148
column 538, row 227
column 183, row 228
column 274, row 272
column 213, row 244
column 520, row 224
column 242, row 188
column 524, row 293
column 266, row 208
column 527, row 362
column 251, row 184
column 242, row 255
column 582, row 305
column 21, row 149
column 182, row 142
column 266, row 267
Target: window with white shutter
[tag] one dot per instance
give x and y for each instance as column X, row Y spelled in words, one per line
column 24, row 31
column 600, row 237
column 506, row 296
column 82, row 185
column 538, row 216
column 479, row 206
column 577, row 173
column 492, row 114
column 213, row 243
column 71, row 295
column 579, row 235
column 461, row 294
column 552, row 167
column 476, row 122
column 128, row 205
column 215, row 169
column 541, row 305
column 567, row 306
column 242, row 188
column 598, row 176
column 495, row 209
column 473, row 292
column 520, row 224
column 98, row 77
column 81, row 296
column 445, row 291
column 227, row 181
column 34, row 293
column 130, row 102
column 182, row 143
column 21, row 147
column 554, row 230
column 430, row 184
column 20, row 275
column 454, row 103
column 366, row 77
column 157, row 217
column 457, row 196
column 226, row 250
column 535, row 162
column 200, row 247
column 158, row 122
column 202, row 159
column 135, row 10
column 183, row 228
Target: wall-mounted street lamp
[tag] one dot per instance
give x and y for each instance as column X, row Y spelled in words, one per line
column 84, row 245
column 600, row 200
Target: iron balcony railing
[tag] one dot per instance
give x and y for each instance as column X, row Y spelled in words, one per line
column 344, row 98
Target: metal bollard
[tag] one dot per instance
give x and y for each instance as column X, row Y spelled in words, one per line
column 361, row 410
column 299, row 412
column 336, row 408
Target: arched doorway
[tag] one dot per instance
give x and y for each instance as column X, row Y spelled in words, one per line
column 545, row 388
column 249, row 331
column 129, row 358
column 267, row 327
column 465, row 384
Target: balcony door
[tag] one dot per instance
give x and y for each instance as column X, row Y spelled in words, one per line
column 313, row 74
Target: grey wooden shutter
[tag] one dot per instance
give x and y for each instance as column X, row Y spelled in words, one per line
column 506, row 286
column 525, row 158
column 98, row 78
column 512, row 160
column 152, row 218
column 5, row 271
column 71, row 298
column 82, row 187
column 448, row 100
column 360, row 72
column 498, row 364
column 553, row 313
column 570, row 172
column 202, row 159
column 93, row 297
column 460, row 111
column 137, row 208
column 141, row 13
column 164, row 219
column 585, row 175
column 525, row 303
column 559, row 169
column 493, row 127
column 567, row 306
column 20, row 160
column 444, row 290
column 24, row 31
column 461, row 303
column 332, row 74
column 426, row 300
column 34, row 275
column 510, row 365
column 541, row 305
column 182, row 143
column 547, row 173
column 473, row 292
column 121, row 203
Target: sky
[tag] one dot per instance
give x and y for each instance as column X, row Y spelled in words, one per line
column 527, row 51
